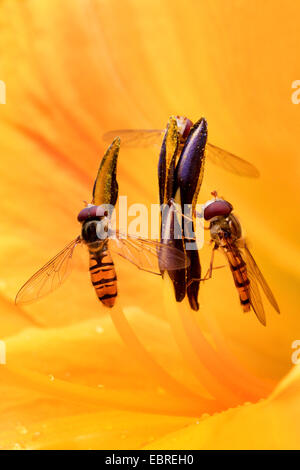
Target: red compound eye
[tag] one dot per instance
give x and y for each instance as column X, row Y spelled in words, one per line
column 91, row 211
column 184, row 124
column 217, row 208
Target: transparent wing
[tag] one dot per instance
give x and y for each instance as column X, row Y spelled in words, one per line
column 255, row 297
column 136, row 138
column 148, row 255
column 230, row 162
column 49, row 277
column 256, row 274
column 141, row 138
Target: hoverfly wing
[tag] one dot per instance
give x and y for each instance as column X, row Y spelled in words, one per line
column 49, row 277
column 148, row 255
column 256, row 273
column 255, row 297
column 230, row 162
column 135, row 138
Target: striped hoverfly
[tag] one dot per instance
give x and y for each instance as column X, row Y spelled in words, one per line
column 100, row 239
column 226, row 235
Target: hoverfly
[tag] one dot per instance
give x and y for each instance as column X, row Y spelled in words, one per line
column 226, row 234
column 147, row 137
column 100, row 239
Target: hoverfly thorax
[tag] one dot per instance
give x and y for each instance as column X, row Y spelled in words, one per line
column 95, row 225
column 223, row 228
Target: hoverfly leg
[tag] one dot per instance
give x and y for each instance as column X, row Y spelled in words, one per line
column 198, row 215
column 208, row 274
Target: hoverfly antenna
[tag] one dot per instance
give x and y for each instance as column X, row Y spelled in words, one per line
column 214, row 194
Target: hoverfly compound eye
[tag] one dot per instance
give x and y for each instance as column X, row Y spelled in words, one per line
column 184, row 126
column 91, row 211
column 216, row 207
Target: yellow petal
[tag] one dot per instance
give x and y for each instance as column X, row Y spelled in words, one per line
column 73, row 73
column 270, row 424
column 92, row 431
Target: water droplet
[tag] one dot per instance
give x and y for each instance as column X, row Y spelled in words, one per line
column 51, row 377
column 99, row 329
column 17, row 446
column 21, row 429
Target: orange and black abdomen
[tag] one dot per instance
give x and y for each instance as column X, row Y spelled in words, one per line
column 103, row 276
column 240, row 275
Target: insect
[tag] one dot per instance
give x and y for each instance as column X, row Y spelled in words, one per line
column 226, row 234
column 100, row 239
column 148, row 137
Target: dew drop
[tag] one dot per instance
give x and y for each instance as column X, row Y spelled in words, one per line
column 17, row 446
column 21, row 429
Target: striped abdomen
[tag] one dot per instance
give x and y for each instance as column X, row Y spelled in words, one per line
column 103, row 276
column 239, row 273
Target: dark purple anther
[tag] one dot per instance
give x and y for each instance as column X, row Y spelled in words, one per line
column 189, row 171
column 217, row 208
column 170, row 228
column 189, row 175
column 193, row 277
column 186, row 178
column 91, row 212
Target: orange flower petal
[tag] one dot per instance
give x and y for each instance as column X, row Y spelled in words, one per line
column 270, row 424
column 73, row 73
